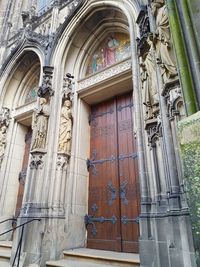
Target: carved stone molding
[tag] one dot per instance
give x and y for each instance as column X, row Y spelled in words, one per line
column 105, row 74
column 37, row 160
column 46, row 88
column 62, row 162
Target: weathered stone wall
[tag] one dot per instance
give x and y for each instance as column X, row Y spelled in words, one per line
column 189, row 138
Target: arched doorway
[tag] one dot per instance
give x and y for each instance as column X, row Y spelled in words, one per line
column 19, row 96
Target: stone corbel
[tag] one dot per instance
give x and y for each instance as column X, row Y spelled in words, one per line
column 46, row 89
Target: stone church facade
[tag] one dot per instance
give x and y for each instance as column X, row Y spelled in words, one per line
column 99, row 120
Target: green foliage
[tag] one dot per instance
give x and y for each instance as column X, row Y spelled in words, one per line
column 191, row 161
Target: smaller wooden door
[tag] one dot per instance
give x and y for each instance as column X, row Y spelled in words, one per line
column 23, row 172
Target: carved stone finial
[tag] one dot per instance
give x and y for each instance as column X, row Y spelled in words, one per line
column 29, row 17
column 46, row 88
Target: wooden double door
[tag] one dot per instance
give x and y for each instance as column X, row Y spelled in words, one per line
column 112, row 220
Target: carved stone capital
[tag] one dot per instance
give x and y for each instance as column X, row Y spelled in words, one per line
column 62, row 161
column 37, row 160
column 46, row 88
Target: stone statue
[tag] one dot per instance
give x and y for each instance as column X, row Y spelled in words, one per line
column 4, row 123
column 40, row 125
column 149, row 82
column 64, row 142
column 162, row 40
column 3, row 130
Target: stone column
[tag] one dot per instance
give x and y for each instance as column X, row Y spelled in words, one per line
column 159, row 76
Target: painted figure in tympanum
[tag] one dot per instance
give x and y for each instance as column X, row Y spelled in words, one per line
column 40, row 125
column 64, row 142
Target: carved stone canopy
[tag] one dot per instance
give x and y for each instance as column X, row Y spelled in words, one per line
column 46, row 88
column 143, row 23
column 4, row 116
column 67, row 87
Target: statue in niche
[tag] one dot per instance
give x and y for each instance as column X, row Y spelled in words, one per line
column 149, row 82
column 40, row 125
column 3, row 130
column 162, row 40
column 64, row 142
column 4, row 122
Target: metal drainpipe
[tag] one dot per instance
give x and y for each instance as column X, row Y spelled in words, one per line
column 182, row 60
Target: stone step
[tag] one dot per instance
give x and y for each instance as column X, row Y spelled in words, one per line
column 84, row 257
column 5, row 246
column 5, row 253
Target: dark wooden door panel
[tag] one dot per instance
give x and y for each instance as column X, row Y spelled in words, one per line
column 103, row 179
column 128, row 174
column 113, row 180
column 22, row 174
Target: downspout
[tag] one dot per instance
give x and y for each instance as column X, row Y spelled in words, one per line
column 191, row 43
column 181, row 55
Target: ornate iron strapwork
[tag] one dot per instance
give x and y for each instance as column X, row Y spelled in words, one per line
column 123, row 157
column 123, row 192
column 113, row 193
column 91, row 220
column 130, row 105
column 92, row 162
column 126, row 220
column 95, row 115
